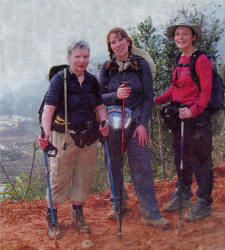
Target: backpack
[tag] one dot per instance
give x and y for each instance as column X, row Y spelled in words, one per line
column 217, row 94
column 144, row 54
column 53, row 70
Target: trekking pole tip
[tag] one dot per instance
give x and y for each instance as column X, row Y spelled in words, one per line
column 55, row 237
column 180, row 225
column 119, row 234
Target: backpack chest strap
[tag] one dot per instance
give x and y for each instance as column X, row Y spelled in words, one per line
column 183, row 65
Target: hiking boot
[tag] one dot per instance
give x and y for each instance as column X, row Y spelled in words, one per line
column 53, row 231
column 114, row 215
column 161, row 223
column 200, row 210
column 79, row 222
column 176, row 203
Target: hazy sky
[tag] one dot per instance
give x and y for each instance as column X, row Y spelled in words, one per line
column 34, row 34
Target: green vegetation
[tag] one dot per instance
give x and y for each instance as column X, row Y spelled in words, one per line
column 10, row 155
column 100, row 181
column 37, row 188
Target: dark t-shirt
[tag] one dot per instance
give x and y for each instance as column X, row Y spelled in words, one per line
column 82, row 99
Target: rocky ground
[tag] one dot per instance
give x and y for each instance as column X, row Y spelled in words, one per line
column 23, row 224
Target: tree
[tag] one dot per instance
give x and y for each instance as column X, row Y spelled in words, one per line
column 163, row 50
column 212, row 31
column 146, row 37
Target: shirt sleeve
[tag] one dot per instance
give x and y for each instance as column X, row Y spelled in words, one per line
column 146, row 77
column 204, row 71
column 108, row 98
column 97, row 92
column 55, row 91
column 164, row 98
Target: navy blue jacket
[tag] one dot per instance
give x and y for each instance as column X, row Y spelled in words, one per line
column 140, row 82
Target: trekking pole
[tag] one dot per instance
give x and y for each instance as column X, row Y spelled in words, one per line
column 66, row 108
column 111, row 176
column 109, row 169
column 50, row 147
column 121, row 173
column 181, row 170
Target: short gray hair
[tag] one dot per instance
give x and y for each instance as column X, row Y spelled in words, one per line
column 78, row 45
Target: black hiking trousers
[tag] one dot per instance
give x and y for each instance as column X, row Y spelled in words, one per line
column 197, row 156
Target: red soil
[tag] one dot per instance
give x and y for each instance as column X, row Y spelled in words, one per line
column 23, row 223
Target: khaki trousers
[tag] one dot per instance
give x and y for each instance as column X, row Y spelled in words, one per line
column 72, row 171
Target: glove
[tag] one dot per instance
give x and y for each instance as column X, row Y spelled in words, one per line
column 43, row 142
column 104, row 128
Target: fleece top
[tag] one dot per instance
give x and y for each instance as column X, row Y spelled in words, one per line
column 184, row 90
column 140, row 81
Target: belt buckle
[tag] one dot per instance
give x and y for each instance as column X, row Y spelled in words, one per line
column 71, row 131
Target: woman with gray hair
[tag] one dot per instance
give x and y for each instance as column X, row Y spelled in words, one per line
column 193, row 147
column 73, row 169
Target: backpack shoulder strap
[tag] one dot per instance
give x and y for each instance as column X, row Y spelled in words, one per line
column 193, row 73
column 176, row 60
column 110, row 68
column 139, row 69
column 41, row 108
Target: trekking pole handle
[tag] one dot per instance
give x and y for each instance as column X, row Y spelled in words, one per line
column 102, row 123
column 182, row 144
column 50, row 146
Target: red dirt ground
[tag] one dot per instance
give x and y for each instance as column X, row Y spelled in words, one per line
column 23, row 224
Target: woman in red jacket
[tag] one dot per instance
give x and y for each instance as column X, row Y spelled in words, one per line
column 191, row 104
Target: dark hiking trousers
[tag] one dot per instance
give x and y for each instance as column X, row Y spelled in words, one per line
column 124, row 194
column 197, row 158
column 140, row 170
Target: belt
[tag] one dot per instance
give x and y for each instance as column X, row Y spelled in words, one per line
column 81, row 127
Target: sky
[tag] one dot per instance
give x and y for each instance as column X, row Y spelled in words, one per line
column 34, row 34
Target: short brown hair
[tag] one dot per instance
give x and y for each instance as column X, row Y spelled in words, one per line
column 119, row 32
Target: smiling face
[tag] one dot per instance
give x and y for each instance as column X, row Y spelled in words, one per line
column 78, row 60
column 184, row 38
column 119, row 45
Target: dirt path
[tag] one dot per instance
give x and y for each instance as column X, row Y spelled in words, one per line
column 23, row 224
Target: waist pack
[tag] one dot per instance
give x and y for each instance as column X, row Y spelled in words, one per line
column 85, row 134
column 115, row 116
column 170, row 116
